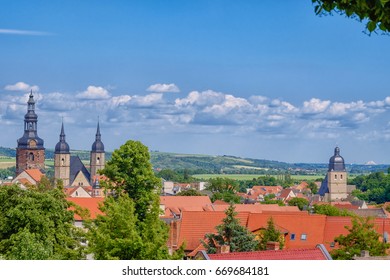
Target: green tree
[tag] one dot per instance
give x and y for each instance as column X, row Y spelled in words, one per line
column 118, row 235
column 130, row 170
column 131, row 227
column 375, row 12
column 190, row 192
column 226, row 196
column 37, row 225
column 300, row 202
column 313, row 187
column 362, row 236
column 230, row 233
column 330, row 210
column 271, row 233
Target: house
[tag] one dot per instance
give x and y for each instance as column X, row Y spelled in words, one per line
column 91, row 204
column 286, row 194
column 28, row 177
column 173, row 206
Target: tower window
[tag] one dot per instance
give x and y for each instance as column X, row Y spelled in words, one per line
column 31, row 156
column 62, row 161
column 335, row 176
column 341, row 176
column 98, row 160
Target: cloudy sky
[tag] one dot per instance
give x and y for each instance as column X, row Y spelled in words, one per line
column 260, row 79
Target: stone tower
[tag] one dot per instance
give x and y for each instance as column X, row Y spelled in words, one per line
column 97, row 159
column 30, row 153
column 62, row 159
column 337, row 178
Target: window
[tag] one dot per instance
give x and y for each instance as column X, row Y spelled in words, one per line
column 332, row 244
column 341, row 176
column 303, row 236
column 31, row 156
column 335, row 176
column 62, row 161
column 292, row 236
column 98, row 160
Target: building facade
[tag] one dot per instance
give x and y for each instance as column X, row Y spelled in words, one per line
column 30, row 152
column 334, row 187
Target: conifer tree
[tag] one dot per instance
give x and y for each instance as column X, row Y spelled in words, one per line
column 271, row 233
column 230, row 233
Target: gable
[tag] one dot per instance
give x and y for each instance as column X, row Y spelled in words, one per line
column 80, row 180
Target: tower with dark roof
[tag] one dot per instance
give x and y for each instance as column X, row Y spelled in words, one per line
column 62, row 159
column 97, row 159
column 30, row 153
column 334, row 187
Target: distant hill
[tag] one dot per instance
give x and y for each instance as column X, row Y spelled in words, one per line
column 196, row 164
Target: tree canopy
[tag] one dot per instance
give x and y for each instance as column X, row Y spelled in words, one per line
column 130, row 170
column 230, row 233
column 362, row 236
column 118, row 235
column 375, row 12
column 130, row 227
column 36, row 225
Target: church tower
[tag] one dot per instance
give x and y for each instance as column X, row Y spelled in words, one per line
column 97, row 160
column 336, row 178
column 62, row 159
column 30, row 153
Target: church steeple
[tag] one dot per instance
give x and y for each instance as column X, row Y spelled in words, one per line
column 62, row 147
column 98, row 145
column 97, row 160
column 62, row 159
column 30, row 152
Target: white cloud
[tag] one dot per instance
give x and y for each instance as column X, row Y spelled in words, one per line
column 315, row 106
column 147, row 100
column 23, row 32
column 21, row 86
column 94, row 92
column 163, row 88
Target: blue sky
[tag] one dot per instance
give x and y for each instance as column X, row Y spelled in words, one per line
column 261, row 79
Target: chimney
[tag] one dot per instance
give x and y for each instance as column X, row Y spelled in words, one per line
column 223, row 249
column 273, row 246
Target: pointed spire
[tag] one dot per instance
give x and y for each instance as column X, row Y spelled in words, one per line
column 62, row 147
column 98, row 135
column 62, row 135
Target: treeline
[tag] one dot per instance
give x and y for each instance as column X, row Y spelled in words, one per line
column 374, row 187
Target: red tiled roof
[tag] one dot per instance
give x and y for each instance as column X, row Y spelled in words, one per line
column 290, row 254
column 90, row 203
column 36, row 174
column 194, row 226
column 297, row 223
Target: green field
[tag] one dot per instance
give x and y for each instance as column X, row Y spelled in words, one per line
column 243, row 177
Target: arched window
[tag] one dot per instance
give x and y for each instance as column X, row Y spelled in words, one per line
column 98, row 160
column 31, row 156
column 335, row 176
column 62, row 161
column 341, row 176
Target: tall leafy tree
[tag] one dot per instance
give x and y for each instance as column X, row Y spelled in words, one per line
column 130, row 170
column 131, row 227
column 118, row 235
column 230, row 233
column 271, row 233
column 299, row 201
column 362, row 236
column 36, row 224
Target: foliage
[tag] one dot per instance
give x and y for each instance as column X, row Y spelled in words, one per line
column 270, row 234
column 131, row 227
column 7, row 172
column 313, row 187
column 190, row 192
column 119, row 235
column 269, row 199
column 130, row 170
column 35, row 224
column 375, row 12
column 362, row 236
column 222, row 184
column 181, row 176
column 302, row 203
column 330, row 210
column 226, row 196
column 374, row 187
column 230, row 233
